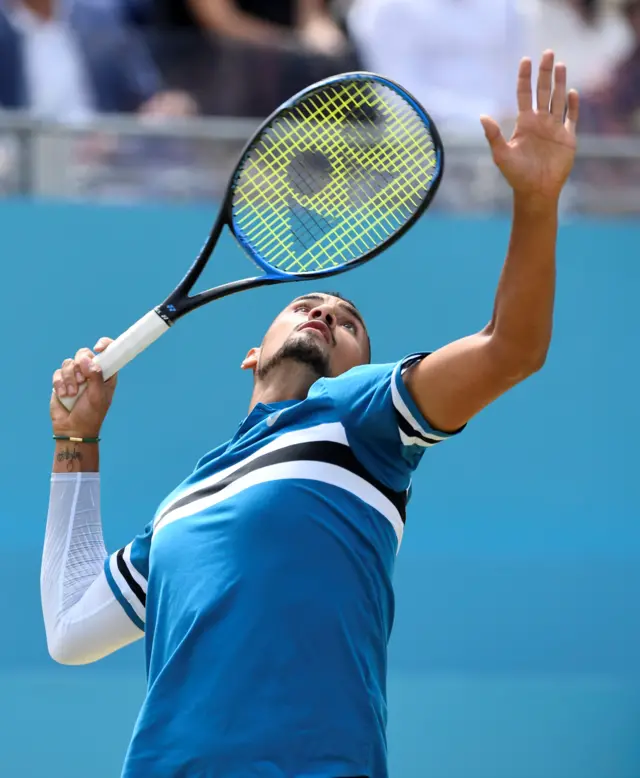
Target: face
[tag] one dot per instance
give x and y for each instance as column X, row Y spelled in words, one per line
column 321, row 331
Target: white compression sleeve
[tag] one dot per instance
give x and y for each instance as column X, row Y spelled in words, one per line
column 83, row 620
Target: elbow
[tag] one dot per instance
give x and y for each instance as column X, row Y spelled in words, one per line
column 518, row 364
column 528, row 363
column 524, row 366
column 62, row 655
column 537, row 361
column 64, row 652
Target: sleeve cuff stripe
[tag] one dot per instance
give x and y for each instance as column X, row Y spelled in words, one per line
column 131, row 612
column 124, row 588
column 409, row 437
column 133, row 585
column 406, row 420
column 137, row 576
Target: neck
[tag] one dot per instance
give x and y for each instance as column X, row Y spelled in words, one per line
column 287, row 381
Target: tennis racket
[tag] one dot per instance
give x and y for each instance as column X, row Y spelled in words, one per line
column 327, row 182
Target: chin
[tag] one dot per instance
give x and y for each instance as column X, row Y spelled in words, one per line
column 313, row 338
column 304, row 349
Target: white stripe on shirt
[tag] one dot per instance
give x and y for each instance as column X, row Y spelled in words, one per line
column 299, row 469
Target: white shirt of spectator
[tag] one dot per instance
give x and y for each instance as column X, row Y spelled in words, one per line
column 458, row 57
column 56, row 86
column 590, row 51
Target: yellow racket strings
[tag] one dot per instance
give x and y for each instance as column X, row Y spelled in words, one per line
column 333, row 177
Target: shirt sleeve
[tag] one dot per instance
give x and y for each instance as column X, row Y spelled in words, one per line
column 127, row 573
column 384, row 426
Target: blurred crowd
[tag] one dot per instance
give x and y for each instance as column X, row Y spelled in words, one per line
column 68, row 60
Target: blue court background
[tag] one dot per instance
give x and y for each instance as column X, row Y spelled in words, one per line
column 516, row 651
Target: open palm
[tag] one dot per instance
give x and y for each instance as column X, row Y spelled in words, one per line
column 539, row 156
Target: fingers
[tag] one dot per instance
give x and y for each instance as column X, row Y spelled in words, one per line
column 525, row 96
column 85, row 365
column 102, row 344
column 559, row 94
column 545, row 77
column 74, row 372
column 551, row 93
column 58, row 384
column 69, row 380
column 573, row 111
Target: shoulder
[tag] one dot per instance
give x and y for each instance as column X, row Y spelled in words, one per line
column 356, row 378
column 365, row 380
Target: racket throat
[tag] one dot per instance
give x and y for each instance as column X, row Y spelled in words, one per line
column 176, row 306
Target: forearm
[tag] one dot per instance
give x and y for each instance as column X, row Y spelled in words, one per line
column 522, row 320
column 83, row 620
column 70, row 457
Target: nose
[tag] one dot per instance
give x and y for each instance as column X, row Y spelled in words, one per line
column 325, row 313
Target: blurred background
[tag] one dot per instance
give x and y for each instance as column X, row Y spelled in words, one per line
column 516, row 650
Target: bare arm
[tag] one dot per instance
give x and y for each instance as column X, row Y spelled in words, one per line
column 459, row 380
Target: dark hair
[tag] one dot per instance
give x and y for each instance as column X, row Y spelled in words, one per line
column 353, row 305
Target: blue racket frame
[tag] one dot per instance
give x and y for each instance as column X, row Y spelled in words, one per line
column 180, row 302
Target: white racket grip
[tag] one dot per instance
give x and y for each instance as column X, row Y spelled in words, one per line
column 117, row 354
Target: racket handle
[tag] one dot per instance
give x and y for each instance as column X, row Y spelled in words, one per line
column 117, row 354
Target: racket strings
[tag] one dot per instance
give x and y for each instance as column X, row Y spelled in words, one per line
column 287, row 160
column 323, row 113
column 315, row 220
column 334, row 176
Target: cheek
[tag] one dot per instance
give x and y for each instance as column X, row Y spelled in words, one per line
column 349, row 352
column 276, row 336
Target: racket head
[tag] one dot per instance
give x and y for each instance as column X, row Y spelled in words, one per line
column 334, row 176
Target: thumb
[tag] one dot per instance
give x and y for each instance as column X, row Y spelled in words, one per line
column 94, row 381
column 493, row 134
column 99, row 391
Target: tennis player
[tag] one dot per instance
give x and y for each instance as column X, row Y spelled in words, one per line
column 262, row 585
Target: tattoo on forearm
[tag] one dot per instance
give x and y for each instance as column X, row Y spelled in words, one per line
column 70, row 455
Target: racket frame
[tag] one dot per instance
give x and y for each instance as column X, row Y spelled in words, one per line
column 179, row 302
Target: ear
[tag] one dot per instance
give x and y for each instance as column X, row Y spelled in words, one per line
column 250, row 362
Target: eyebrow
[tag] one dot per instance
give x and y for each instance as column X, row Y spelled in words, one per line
column 343, row 304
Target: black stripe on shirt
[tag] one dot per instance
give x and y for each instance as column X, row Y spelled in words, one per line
column 405, row 425
column 126, row 574
column 410, row 431
column 320, row 451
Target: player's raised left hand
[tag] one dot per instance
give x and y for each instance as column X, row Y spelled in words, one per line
column 538, row 159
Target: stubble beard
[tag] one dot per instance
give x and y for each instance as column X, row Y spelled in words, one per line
column 302, row 351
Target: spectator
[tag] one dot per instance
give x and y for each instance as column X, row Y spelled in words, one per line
column 612, row 105
column 625, row 83
column 272, row 23
column 68, row 62
column 589, row 37
column 457, row 58
column 244, row 57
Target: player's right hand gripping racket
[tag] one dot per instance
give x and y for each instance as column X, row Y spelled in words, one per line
column 330, row 179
